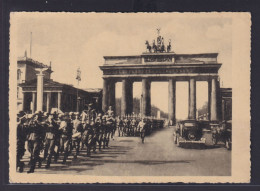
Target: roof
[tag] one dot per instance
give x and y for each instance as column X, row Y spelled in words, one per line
column 93, row 90
column 32, row 62
column 54, row 84
column 47, row 82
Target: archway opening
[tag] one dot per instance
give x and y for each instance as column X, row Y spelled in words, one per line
column 202, row 100
column 182, row 100
column 159, row 99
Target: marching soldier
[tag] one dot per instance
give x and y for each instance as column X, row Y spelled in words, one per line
column 111, row 121
column 126, row 126
column 66, row 132
column 76, row 134
column 35, row 140
column 141, row 127
column 57, row 118
column 120, row 126
column 22, row 127
column 50, row 138
column 98, row 130
column 89, row 114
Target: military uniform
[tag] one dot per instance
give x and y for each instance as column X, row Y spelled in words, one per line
column 22, row 128
column 76, row 135
column 87, row 136
column 50, row 138
column 141, row 128
column 120, row 126
column 111, row 120
column 98, row 131
column 65, row 139
column 35, row 141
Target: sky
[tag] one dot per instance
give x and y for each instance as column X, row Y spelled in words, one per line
column 71, row 40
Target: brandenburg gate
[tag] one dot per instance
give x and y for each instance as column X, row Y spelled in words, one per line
column 158, row 64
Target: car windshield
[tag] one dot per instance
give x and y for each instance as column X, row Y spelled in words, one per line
column 189, row 124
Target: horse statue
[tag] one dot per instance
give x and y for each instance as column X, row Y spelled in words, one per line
column 162, row 48
column 154, row 46
column 169, row 46
column 148, row 47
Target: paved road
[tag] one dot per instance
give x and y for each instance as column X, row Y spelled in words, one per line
column 158, row 156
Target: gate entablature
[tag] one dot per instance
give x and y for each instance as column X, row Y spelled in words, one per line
column 161, row 66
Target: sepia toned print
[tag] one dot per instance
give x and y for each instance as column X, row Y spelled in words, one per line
column 129, row 98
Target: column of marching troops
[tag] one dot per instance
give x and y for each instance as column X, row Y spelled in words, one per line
column 58, row 133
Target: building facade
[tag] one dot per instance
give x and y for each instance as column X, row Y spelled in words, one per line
column 56, row 95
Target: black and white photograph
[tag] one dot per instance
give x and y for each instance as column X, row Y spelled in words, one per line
column 129, row 97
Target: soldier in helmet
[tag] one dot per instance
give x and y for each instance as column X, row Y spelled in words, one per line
column 109, row 128
column 98, row 131
column 89, row 114
column 111, row 121
column 22, row 128
column 141, row 127
column 35, row 139
column 65, row 139
column 51, row 132
column 57, row 118
column 119, row 123
column 76, row 133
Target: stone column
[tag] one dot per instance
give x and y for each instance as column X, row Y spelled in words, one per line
column 192, row 98
column 124, row 98
column 172, row 100
column 59, row 100
column 33, row 101
column 111, row 96
column 213, row 104
column 105, row 95
column 48, row 104
column 127, row 97
column 223, row 109
column 146, row 92
column 40, row 91
column 209, row 98
column 130, row 98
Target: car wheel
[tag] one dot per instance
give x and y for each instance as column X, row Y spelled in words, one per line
column 177, row 141
column 214, row 140
column 228, row 144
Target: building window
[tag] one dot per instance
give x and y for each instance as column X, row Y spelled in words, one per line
column 19, row 75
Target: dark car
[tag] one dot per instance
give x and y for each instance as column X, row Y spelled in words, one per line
column 222, row 132
column 188, row 131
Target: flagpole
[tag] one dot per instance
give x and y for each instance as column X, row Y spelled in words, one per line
column 78, row 78
column 78, row 97
column 31, row 45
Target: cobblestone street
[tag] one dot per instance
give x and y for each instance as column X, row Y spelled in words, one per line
column 158, row 156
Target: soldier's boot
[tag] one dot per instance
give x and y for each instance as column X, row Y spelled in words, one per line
column 32, row 166
column 99, row 146
column 66, row 154
column 45, row 154
column 94, row 147
column 88, row 151
column 21, row 167
column 39, row 159
column 56, row 156
column 48, row 164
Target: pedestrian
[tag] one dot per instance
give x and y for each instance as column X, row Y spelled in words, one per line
column 141, row 127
